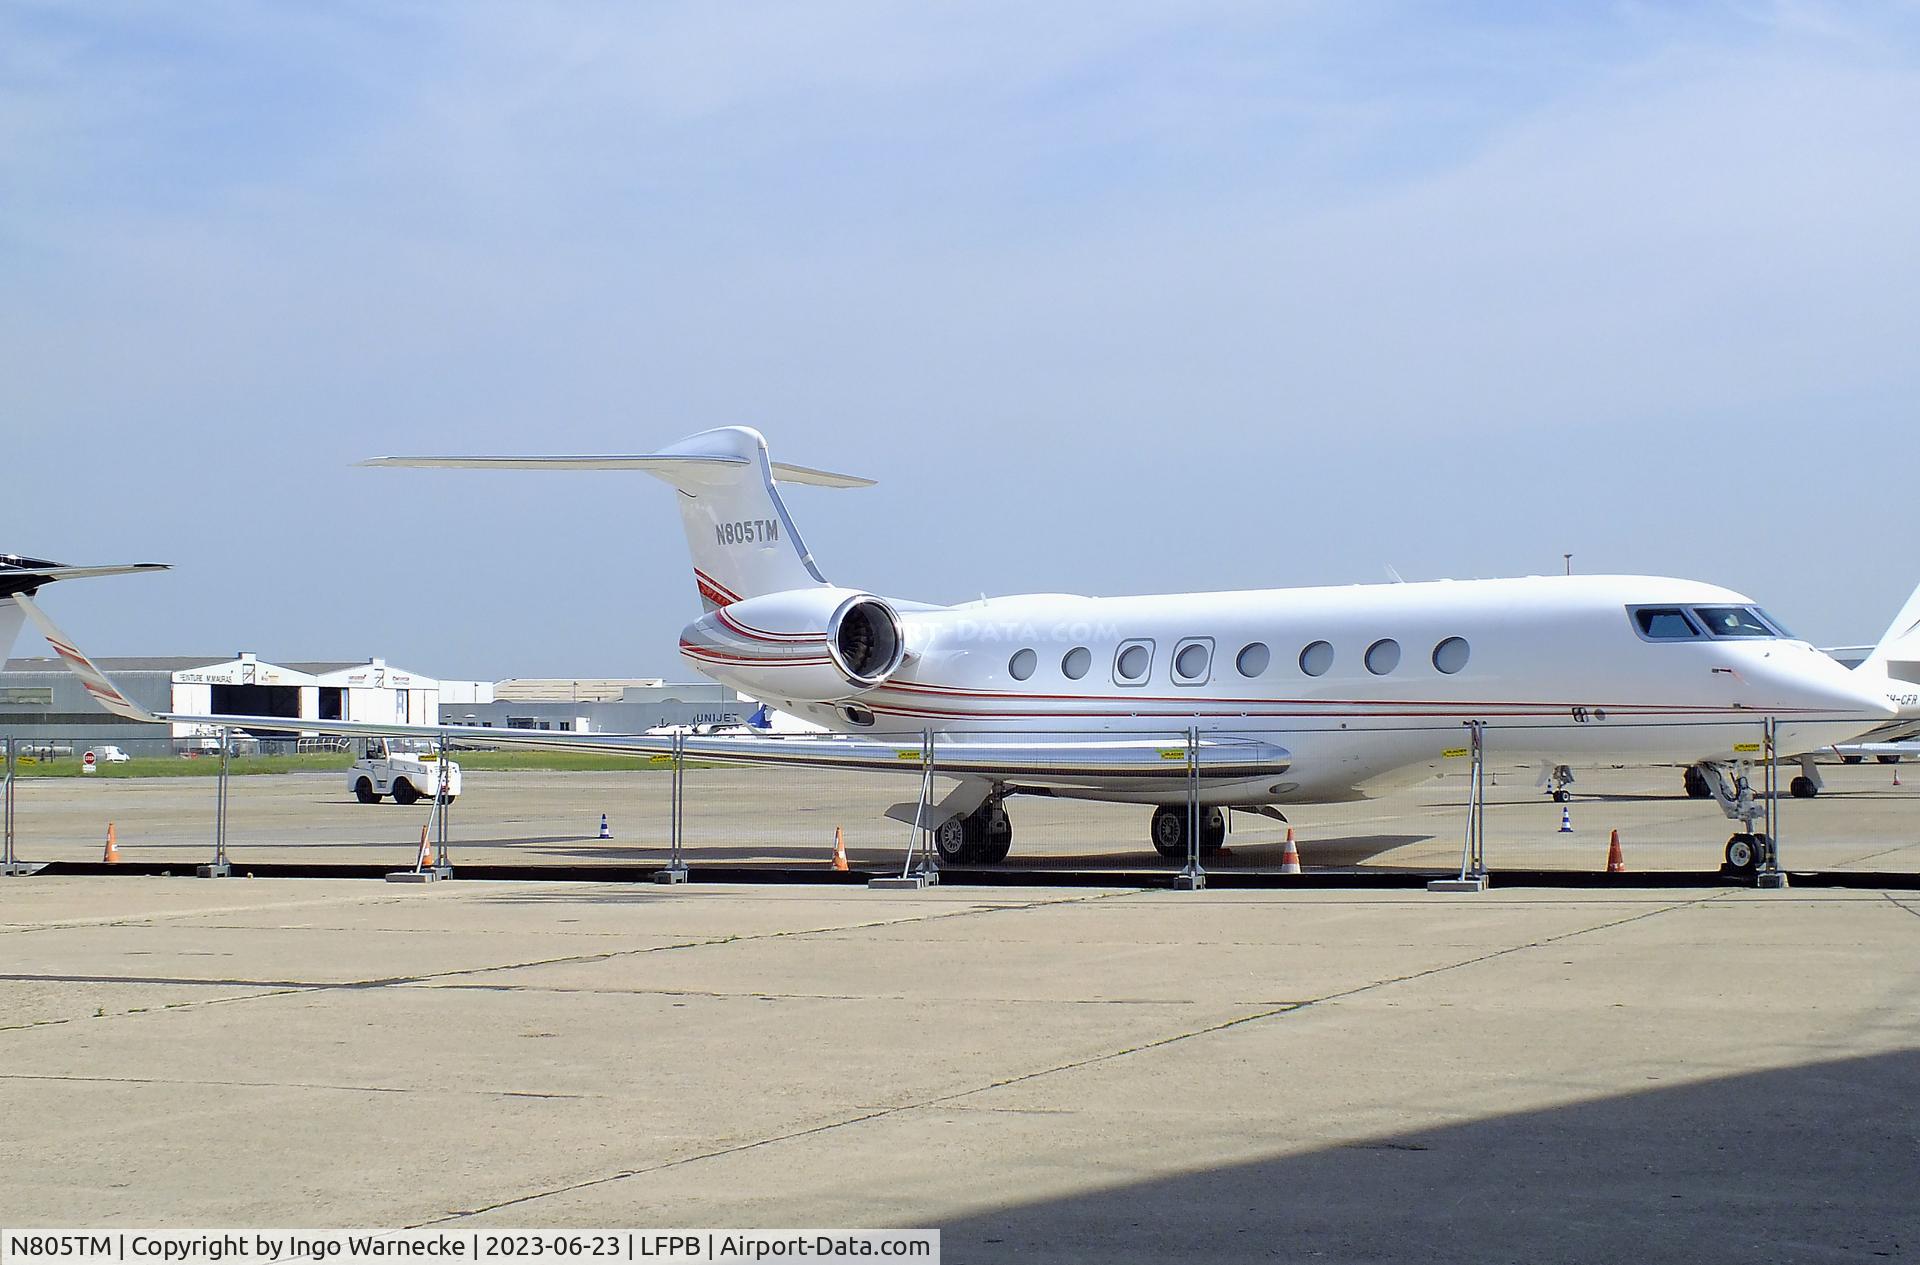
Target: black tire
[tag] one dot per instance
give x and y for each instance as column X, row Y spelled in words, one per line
column 996, row 838
column 1802, row 787
column 1743, row 854
column 363, row 791
column 1888, row 759
column 1168, row 831
column 403, row 792
column 1213, row 830
column 1562, row 796
column 953, row 839
column 1853, row 759
column 1696, row 784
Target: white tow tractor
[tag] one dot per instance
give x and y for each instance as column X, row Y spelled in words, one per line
column 407, row 769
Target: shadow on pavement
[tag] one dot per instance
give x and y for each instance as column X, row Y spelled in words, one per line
column 1813, row 1163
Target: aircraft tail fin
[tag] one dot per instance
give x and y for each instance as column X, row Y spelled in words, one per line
column 11, row 620
column 1901, row 644
column 739, row 532
column 103, row 691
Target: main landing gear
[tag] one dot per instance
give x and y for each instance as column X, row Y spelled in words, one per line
column 1805, row 785
column 1169, row 830
column 1558, row 780
column 981, row 837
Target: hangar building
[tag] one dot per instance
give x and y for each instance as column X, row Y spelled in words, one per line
column 44, row 705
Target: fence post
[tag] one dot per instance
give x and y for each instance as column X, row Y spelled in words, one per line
column 1473, row 852
column 676, row 871
column 929, row 862
column 442, row 842
column 9, row 862
column 1192, row 878
column 220, row 868
column 1769, row 874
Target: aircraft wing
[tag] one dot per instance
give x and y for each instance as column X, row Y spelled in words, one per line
column 1057, row 761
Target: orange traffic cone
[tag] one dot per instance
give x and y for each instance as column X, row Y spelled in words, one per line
column 1896, row 774
column 839, row 850
column 426, row 850
column 112, row 855
column 1616, row 859
column 1290, row 859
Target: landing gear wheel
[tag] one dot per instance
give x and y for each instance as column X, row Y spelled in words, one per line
column 1853, row 759
column 1561, row 797
column 953, row 840
column 1887, row 759
column 1743, row 854
column 1213, row 830
column 1696, row 784
column 1169, row 830
column 1802, row 787
column 403, row 792
column 363, row 791
column 981, row 837
column 997, row 837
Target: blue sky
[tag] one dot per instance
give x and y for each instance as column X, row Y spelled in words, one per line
column 1110, row 298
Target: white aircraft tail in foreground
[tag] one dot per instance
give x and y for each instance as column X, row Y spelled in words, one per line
column 1298, row 696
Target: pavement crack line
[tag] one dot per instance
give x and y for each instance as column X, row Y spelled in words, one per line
column 318, row 1085
column 1900, row 904
column 938, row 1100
column 432, row 979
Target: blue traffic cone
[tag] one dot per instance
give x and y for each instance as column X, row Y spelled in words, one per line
column 1566, row 820
column 604, row 832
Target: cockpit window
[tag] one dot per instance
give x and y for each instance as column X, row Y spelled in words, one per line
column 1664, row 623
column 1777, row 626
column 1732, row 621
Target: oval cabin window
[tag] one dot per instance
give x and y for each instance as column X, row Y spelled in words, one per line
column 1451, row 655
column 1021, row 666
column 1383, row 656
column 1317, row 658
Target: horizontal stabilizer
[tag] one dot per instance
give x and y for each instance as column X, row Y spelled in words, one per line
column 663, row 465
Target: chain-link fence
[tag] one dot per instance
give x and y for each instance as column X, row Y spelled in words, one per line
column 1020, row 805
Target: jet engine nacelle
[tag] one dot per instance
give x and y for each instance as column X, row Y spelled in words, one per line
column 806, row 645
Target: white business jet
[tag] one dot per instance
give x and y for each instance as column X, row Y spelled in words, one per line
column 1298, row 696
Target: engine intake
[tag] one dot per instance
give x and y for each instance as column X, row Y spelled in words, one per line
column 865, row 640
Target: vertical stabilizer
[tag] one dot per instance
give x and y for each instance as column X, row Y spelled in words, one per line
column 742, row 539
column 1902, row 639
column 11, row 617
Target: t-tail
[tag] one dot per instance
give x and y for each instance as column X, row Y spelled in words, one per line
column 743, row 540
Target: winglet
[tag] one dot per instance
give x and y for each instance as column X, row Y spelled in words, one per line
column 104, row 691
